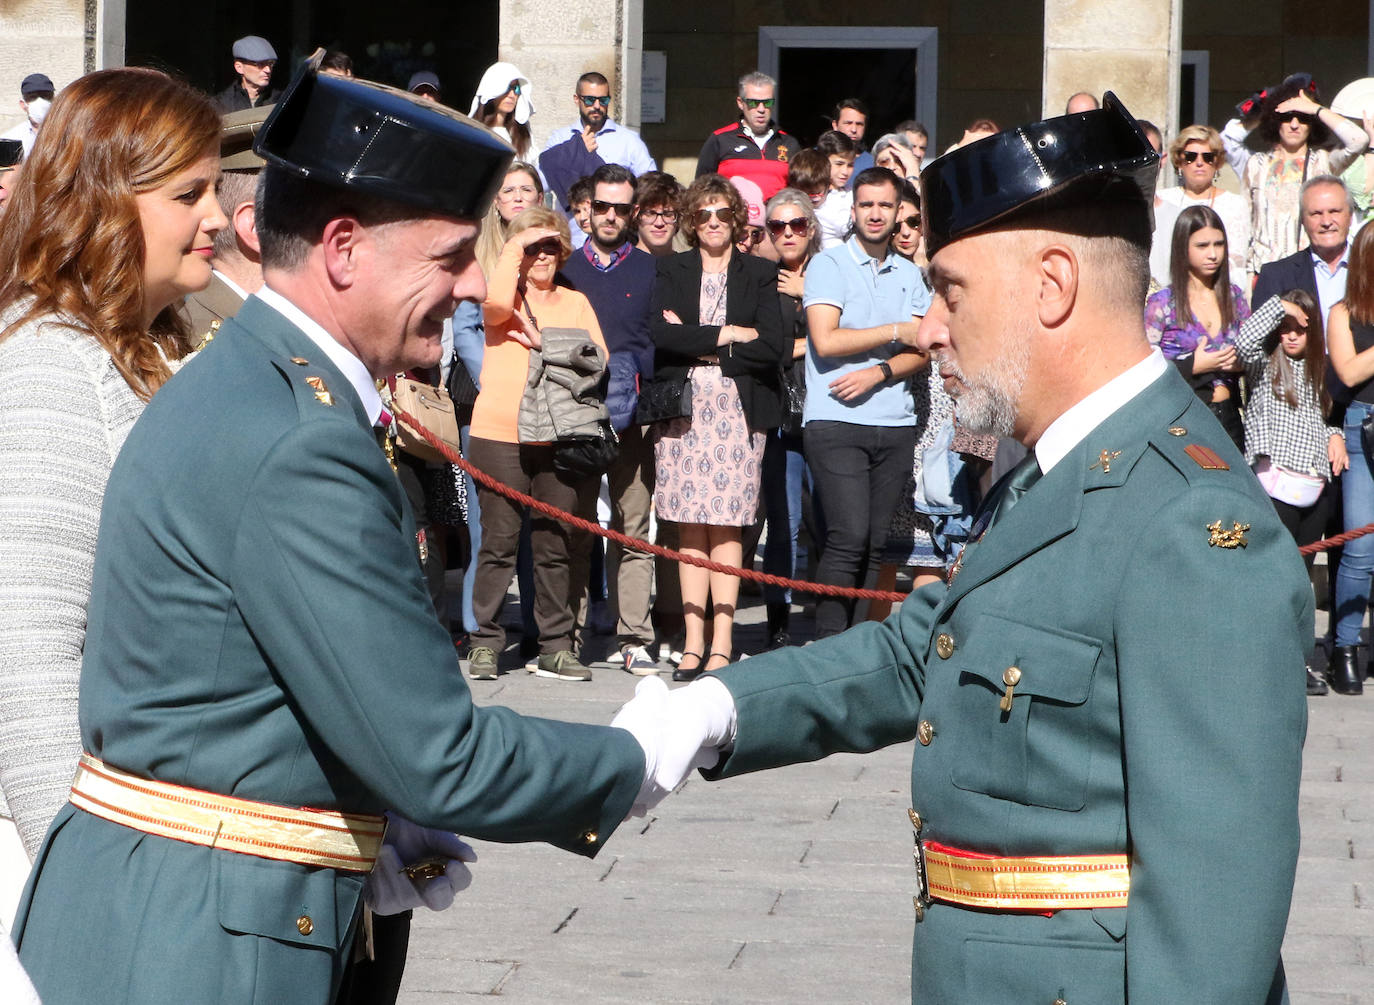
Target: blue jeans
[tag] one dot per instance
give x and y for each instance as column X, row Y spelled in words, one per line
column 469, row 618
column 1357, row 559
column 783, row 468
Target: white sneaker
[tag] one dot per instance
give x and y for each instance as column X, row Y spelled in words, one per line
column 638, row 661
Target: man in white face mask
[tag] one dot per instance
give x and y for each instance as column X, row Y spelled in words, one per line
column 35, row 98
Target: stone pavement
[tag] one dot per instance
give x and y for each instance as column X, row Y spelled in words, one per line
column 795, row 885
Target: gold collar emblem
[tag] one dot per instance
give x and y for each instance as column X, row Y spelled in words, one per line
column 1233, row 538
column 322, row 394
column 1104, row 461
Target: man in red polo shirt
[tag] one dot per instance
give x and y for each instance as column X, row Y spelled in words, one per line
column 753, row 147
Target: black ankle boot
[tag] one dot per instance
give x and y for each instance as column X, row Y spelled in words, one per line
column 1343, row 671
column 778, row 617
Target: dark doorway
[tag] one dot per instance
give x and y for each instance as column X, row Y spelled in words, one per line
column 811, row 81
column 388, row 42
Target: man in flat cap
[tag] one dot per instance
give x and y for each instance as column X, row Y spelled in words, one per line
column 254, row 61
column 236, row 269
column 1108, row 697
column 264, row 673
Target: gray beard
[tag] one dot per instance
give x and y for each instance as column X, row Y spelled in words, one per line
column 989, row 404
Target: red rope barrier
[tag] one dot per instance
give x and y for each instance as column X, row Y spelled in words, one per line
column 635, row 544
column 1336, row 540
column 766, row 578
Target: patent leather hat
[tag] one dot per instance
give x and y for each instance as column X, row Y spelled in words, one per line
column 1097, row 156
column 368, row 137
column 11, row 153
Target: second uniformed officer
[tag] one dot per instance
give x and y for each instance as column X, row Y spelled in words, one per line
column 1108, row 698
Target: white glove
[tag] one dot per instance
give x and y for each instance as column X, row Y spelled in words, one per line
column 680, row 731
column 390, row 891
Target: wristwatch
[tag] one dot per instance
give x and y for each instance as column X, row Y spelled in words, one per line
column 887, row 370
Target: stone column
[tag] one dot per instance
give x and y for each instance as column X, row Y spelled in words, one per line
column 1130, row 47
column 554, row 44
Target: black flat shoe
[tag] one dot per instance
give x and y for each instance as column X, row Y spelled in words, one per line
column 689, row 673
column 1343, row 672
column 1315, row 685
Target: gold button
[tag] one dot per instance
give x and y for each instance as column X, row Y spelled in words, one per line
column 1061, row 1001
column 304, row 925
column 944, row 645
column 1011, row 676
column 1173, row 431
column 915, row 819
column 920, row 911
column 587, row 837
column 925, row 732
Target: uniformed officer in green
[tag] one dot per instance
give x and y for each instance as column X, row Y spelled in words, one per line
column 263, row 670
column 1108, row 698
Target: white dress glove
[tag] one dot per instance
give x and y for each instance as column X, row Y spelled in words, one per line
column 390, row 891
column 680, row 731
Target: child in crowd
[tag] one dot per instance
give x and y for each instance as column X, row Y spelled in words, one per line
column 809, row 172
column 580, row 202
column 834, row 212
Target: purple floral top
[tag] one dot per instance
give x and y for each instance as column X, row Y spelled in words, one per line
column 1177, row 339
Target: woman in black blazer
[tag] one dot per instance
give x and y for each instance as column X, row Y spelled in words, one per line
column 716, row 325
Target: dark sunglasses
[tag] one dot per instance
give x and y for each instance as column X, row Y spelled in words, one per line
column 752, row 235
column 911, row 222
column 600, row 206
column 722, row 213
column 604, row 100
column 549, row 246
column 799, row 225
column 1304, row 118
column 758, row 102
column 1208, row 156
column 666, row 215
column 513, row 89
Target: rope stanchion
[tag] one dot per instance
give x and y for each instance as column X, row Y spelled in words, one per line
column 634, row 544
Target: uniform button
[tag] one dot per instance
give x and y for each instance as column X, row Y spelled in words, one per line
column 1060, row 1001
column 587, row 837
column 925, row 732
column 304, row 925
column 944, row 645
column 1011, row 676
column 915, row 818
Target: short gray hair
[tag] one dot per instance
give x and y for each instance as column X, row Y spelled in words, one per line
column 891, row 140
column 756, row 79
column 1328, row 179
column 798, row 198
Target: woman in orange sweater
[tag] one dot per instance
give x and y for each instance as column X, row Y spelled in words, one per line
column 521, row 299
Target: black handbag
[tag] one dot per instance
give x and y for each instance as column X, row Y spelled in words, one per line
column 662, row 400
column 793, row 380
column 586, row 456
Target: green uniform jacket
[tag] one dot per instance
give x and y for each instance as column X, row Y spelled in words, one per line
column 259, row 627
column 1160, row 713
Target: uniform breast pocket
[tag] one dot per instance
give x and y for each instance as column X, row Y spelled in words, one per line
column 1021, row 697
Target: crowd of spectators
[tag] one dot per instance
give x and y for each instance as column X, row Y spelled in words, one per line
column 762, row 304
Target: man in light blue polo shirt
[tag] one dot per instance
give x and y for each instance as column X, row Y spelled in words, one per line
column 859, row 431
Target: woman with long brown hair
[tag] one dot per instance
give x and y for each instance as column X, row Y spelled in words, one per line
column 1350, row 342
column 502, row 103
column 110, row 226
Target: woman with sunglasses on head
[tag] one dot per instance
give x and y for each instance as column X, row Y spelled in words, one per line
column 795, row 236
column 522, row 299
column 1194, row 320
column 1197, row 156
column 110, row 226
column 502, row 103
column 1296, row 139
column 717, row 334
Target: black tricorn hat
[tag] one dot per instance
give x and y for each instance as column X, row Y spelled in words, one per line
column 1097, row 156
column 11, row 153
column 371, row 138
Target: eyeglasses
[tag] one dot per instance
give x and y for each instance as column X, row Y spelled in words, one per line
column 757, row 102
column 722, row 213
column 550, row 246
column 798, row 225
column 517, row 191
column 514, row 88
column 752, row 235
column 910, row 222
column 666, row 215
column 604, row 100
column 1208, row 156
column 1302, row 118
column 601, row 206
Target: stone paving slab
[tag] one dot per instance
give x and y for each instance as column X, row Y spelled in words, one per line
column 795, row 885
